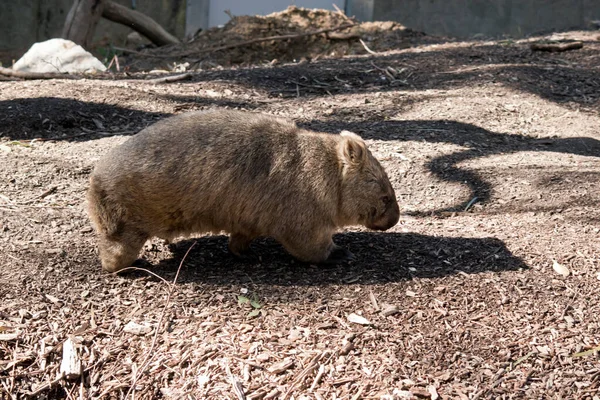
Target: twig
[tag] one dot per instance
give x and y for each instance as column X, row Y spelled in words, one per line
column 470, row 203
column 139, row 53
column 169, row 79
column 46, row 386
column 237, row 385
column 343, row 14
column 556, row 47
column 298, row 380
column 142, row 269
column 35, row 75
column 247, row 362
column 150, row 353
column 114, row 60
column 367, row 47
column 317, row 378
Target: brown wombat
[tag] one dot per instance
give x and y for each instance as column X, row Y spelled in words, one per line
column 243, row 173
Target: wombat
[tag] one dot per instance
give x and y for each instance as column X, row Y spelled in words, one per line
column 243, row 173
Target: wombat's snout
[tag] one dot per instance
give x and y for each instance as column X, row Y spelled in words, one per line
column 387, row 219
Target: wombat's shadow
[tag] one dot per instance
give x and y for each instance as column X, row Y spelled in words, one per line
column 380, row 258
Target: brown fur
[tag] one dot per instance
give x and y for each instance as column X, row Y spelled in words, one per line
column 243, row 173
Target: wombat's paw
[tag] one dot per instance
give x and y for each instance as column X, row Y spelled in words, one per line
column 247, row 255
column 339, row 255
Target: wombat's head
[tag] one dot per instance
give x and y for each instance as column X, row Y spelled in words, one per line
column 367, row 194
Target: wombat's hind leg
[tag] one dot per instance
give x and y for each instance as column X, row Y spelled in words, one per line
column 239, row 245
column 120, row 252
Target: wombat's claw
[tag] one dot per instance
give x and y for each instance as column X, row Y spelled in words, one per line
column 338, row 255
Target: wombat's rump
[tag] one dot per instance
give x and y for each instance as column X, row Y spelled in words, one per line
column 243, row 173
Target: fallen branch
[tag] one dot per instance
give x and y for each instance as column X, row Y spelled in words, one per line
column 35, row 75
column 556, row 47
column 139, row 22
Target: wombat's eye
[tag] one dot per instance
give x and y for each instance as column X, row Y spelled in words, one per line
column 386, row 200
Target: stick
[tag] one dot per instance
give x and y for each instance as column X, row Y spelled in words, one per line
column 367, row 47
column 46, row 386
column 150, row 353
column 556, row 47
column 238, row 388
column 343, row 14
column 35, row 75
column 169, row 79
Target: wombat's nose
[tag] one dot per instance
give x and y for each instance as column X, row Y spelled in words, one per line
column 388, row 219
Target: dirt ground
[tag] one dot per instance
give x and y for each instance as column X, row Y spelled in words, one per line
column 494, row 153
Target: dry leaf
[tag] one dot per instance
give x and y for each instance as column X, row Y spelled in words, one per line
column 390, row 310
column 281, row 366
column 357, row 319
column 410, row 293
column 560, row 269
column 53, row 299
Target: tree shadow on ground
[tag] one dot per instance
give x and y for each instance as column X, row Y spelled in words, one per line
column 69, row 119
column 380, row 258
column 478, row 142
column 551, row 76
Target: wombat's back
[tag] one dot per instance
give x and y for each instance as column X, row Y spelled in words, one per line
column 216, row 171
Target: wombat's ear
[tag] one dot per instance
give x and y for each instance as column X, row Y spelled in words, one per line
column 353, row 148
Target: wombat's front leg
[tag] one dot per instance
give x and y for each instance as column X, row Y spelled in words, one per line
column 338, row 255
column 239, row 245
column 319, row 251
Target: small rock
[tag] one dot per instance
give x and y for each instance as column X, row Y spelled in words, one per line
column 137, row 329
column 262, row 357
column 55, row 251
column 560, row 269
